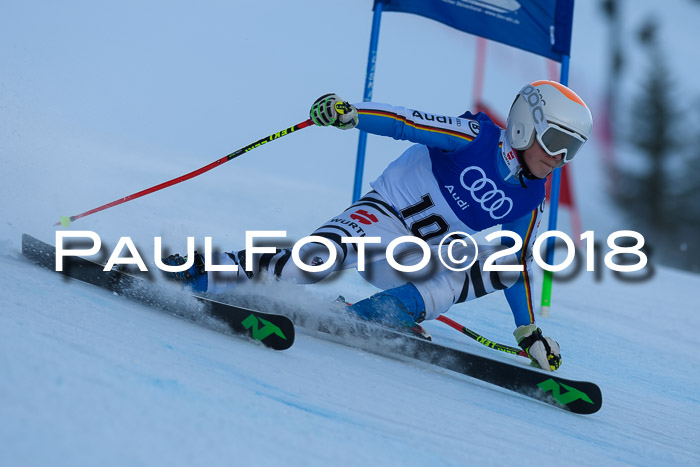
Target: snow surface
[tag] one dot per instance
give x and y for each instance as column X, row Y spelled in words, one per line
column 100, row 101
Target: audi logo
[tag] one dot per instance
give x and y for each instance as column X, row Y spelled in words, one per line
column 485, row 192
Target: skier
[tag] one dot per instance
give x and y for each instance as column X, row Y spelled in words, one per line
column 464, row 175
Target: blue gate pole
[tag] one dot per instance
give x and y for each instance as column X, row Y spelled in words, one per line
column 553, row 210
column 369, row 87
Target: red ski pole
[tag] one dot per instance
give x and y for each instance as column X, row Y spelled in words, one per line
column 481, row 339
column 65, row 220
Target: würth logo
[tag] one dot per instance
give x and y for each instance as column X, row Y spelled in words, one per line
column 363, row 217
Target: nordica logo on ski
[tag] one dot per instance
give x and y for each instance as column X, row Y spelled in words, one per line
column 566, row 398
column 252, row 322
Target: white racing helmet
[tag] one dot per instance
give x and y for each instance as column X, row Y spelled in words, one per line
column 552, row 113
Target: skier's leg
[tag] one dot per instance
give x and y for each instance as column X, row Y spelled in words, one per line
column 430, row 294
column 277, row 265
column 453, row 287
column 273, row 265
column 369, row 217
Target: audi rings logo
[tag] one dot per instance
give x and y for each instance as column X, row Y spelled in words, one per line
column 485, row 192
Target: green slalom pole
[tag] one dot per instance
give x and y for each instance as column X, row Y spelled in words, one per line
column 546, row 293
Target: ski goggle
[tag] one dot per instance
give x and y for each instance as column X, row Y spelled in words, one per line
column 553, row 138
column 556, row 140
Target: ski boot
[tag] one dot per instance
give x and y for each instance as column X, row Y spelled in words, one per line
column 400, row 308
column 195, row 277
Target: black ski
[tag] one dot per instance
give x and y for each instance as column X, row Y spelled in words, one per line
column 273, row 330
column 277, row 331
column 581, row 397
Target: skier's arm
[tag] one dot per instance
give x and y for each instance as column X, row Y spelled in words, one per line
column 437, row 131
column 519, row 296
column 543, row 351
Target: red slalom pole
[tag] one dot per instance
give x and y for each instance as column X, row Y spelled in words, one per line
column 481, row 339
column 65, row 220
